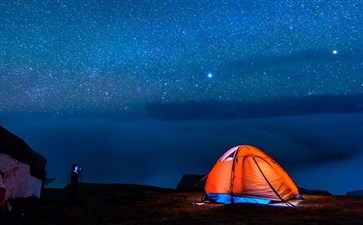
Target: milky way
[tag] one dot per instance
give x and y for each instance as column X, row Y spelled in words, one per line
column 72, row 55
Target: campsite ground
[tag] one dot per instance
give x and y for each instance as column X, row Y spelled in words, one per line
column 134, row 204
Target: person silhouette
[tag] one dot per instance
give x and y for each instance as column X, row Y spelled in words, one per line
column 75, row 173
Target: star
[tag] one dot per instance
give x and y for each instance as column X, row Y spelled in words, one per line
column 138, row 55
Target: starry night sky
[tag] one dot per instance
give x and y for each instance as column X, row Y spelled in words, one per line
column 67, row 55
column 72, row 58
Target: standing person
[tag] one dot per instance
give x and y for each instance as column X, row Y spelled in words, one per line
column 76, row 171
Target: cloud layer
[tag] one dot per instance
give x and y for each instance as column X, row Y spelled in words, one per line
column 158, row 152
column 220, row 110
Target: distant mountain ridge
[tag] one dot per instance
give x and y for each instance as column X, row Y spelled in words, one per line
column 308, row 105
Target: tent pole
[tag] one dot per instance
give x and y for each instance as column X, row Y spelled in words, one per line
column 232, row 174
column 267, row 180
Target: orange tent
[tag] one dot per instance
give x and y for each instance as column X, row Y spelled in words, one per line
column 245, row 174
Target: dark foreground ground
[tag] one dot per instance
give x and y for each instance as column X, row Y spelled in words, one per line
column 133, row 204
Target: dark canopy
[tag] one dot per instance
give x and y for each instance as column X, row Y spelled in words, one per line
column 19, row 150
column 192, row 182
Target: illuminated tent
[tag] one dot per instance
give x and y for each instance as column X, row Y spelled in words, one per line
column 22, row 169
column 245, row 174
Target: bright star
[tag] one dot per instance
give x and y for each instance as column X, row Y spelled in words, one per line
column 335, row 52
column 210, row 75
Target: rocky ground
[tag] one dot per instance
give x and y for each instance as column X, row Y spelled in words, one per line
column 134, row 204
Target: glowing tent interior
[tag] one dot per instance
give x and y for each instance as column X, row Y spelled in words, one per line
column 245, row 174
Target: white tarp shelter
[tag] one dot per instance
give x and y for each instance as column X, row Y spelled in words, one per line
column 22, row 169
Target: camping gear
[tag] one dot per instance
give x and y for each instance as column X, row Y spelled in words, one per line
column 245, row 174
column 191, row 182
column 22, row 169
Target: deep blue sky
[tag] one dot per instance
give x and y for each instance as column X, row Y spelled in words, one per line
column 79, row 73
column 68, row 55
